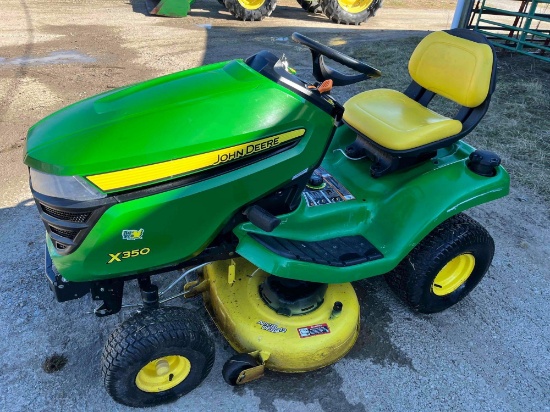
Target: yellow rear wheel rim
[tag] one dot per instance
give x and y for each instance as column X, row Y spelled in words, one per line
column 454, row 274
column 354, row 6
column 251, row 4
column 163, row 373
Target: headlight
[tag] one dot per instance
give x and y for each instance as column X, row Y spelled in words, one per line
column 64, row 187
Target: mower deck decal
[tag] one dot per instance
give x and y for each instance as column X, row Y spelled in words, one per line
column 314, row 330
column 174, row 168
column 271, row 327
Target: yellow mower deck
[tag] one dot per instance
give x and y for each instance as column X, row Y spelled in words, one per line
column 295, row 344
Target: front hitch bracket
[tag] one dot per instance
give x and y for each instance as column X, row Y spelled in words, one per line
column 110, row 292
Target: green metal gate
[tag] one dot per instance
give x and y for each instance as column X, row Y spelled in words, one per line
column 525, row 31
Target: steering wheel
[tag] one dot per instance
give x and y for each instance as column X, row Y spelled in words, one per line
column 323, row 72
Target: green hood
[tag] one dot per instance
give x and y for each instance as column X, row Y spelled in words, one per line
column 171, row 117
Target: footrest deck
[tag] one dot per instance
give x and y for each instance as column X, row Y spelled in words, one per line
column 339, row 252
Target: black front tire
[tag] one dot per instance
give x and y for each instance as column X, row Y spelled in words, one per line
column 242, row 13
column 413, row 279
column 149, row 336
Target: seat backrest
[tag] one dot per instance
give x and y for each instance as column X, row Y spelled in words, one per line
column 456, row 64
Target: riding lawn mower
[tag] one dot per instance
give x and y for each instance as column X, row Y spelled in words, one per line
column 270, row 197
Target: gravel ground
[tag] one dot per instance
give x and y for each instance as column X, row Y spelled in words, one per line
column 490, row 352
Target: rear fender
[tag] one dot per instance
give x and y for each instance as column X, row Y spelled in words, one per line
column 403, row 219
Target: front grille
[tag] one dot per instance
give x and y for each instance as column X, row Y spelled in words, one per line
column 68, row 216
column 69, row 234
column 68, row 222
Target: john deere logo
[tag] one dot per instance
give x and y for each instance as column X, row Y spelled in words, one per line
column 132, row 234
column 252, row 148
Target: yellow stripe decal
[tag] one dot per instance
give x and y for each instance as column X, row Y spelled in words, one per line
column 178, row 167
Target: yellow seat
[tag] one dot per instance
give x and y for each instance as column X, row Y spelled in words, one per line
column 396, row 121
column 458, row 65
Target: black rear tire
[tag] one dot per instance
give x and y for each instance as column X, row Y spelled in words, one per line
column 237, row 9
column 311, row 6
column 164, row 333
column 413, row 280
column 336, row 11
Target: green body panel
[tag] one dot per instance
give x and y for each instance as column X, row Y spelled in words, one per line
column 180, row 223
column 394, row 212
column 171, row 117
column 171, row 8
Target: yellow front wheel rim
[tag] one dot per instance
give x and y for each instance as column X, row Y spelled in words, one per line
column 454, row 274
column 163, row 373
column 354, row 6
column 251, row 4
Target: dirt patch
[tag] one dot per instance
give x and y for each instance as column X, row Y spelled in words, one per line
column 421, row 4
column 54, row 363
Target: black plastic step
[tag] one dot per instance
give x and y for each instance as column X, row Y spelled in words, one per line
column 339, row 251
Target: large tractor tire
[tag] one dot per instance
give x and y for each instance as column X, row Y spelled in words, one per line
column 350, row 11
column 445, row 266
column 311, row 6
column 251, row 10
column 156, row 356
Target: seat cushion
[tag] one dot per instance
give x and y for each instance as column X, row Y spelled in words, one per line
column 395, row 121
column 453, row 67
